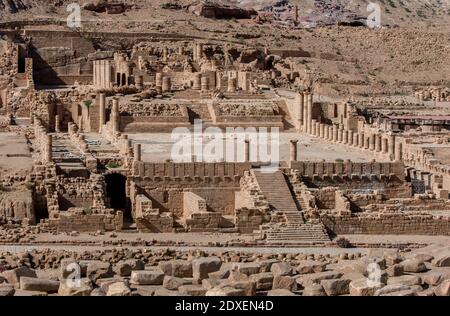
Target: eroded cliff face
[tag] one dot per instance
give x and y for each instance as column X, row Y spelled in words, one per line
column 13, row 6
column 17, row 204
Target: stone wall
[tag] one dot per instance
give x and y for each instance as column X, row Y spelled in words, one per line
column 76, row 220
column 192, row 203
column 387, row 223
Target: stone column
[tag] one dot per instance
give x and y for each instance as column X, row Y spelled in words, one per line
column 199, row 49
column 305, row 111
column 335, row 134
column 205, row 84
column 355, row 139
column 345, row 137
column 378, row 142
column 330, row 132
column 398, row 150
column 165, row 54
column 197, row 81
column 313, row 128
column 166, row 84
column 299, row 107
column 384, row 145
column 137, row 152
column 57, row 123
column 101, row 109
column 48, row 152
column 340, row 134
column 372, row 142
column 309, row 108
column 231, row 85
column 361, row 140
column 391, row 146
column 139, row 82
column 317, row 129
column 366, row 142
column 322, row 130
column 115, row 116
column 350, row 138
column 159, row 82
column 247, row 150
column 293, row 156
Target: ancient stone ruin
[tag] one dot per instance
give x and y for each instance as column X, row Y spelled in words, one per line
column 91, row 131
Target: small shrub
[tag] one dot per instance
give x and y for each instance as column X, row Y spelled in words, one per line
column 113, row 165
column 87, row 211
column 343, row 242
column 88, row 103
column 339, row 160
column 29, row 185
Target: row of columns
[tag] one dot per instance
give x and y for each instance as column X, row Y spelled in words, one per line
column 304, row 106
column 375, row 142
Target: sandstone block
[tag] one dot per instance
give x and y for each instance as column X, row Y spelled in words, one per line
column 334, row 287
column 99, row 270
column 281, row 268
column 192, row 290
column 71, row 288
column 314, row 290
column 176, row 268
column 173, row 283
column 310, row 266
column 280, row 292
column 39, row 285
column 13, row 276
column 203, row 266
column 152, row 277
column 364, row 287
column 118, row 289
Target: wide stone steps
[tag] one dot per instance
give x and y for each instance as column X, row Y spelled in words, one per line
column 297, row 233
column 274, row 187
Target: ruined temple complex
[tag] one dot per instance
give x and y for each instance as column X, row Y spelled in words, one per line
column 87, row 149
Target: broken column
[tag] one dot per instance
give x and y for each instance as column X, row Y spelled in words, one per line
column 159, row 82
column 391, row 146
column 378, row 142
column 310, row 110
column 231, row 85
column 247, row 150
column 101, row 109
column 372, row 142
column 57, row 123
column 205, row 84
column 293, row 156
column 166, row 84
column 398, row 155
column 48, row 152
column 137, row 152
column 115, row 116
column 197, row 82
column 299, row 107
column 139, row 82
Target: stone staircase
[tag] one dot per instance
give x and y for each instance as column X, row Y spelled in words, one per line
column 274, row 187
column 295, row 230
column 292, row 233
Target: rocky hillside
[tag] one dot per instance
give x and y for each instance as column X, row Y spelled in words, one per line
column 310, row 12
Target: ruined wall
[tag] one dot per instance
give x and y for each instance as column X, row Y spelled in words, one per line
column 192, row 203
column 77, row 221
column 387, row 223
column 165, row 184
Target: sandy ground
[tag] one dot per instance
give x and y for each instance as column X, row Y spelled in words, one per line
column 15, row 156
column 157, row 147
